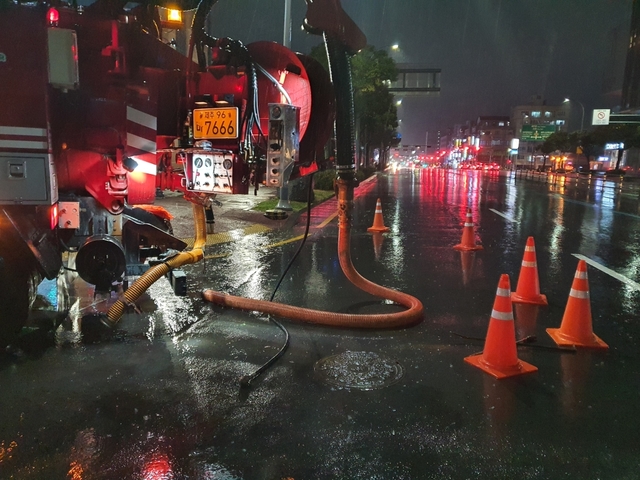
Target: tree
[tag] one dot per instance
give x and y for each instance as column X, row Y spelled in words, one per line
column 596, row 138
column 376, row 116
column 558, row 141
column 592, row 142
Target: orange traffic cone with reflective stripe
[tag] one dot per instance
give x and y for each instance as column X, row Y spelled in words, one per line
column 378, row 222
column 468, row 241
column 576, row 327
column 528, row 289
column 500, row 357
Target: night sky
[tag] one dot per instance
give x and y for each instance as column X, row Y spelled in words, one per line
column 494, row 54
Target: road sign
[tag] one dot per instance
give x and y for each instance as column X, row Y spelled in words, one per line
column 536, row 133
column 601, row 116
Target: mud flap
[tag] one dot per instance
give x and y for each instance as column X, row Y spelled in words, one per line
column 142, row 240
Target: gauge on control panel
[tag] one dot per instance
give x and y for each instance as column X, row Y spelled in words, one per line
column 198, row 162
column 207, row 162
column 227, row 164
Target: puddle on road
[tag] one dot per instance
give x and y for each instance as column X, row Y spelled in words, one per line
column 361, row 370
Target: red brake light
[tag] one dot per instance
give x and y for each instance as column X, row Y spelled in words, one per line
column 53, row 17
column 53, row 216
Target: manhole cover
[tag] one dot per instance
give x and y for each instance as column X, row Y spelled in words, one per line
column 362, row 370
column 276, row 214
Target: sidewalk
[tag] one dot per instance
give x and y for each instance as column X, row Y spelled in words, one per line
column 235, row 211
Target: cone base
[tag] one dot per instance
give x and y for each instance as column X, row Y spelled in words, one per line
column 378, row 229
column 535, row 300
column 564, row 340
column 520, row 368
column 467, row 248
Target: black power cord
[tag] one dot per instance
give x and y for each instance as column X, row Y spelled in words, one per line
column 245, row 381
column 527, row 341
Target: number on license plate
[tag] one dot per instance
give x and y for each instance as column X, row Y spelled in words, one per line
column 215, row 123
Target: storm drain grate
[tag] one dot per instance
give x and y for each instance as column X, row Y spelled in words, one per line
column 362, row 370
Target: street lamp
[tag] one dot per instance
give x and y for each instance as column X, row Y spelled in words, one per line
column 581, row 106
column 287, row 24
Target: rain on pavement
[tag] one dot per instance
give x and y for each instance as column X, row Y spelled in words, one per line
column 160, row 398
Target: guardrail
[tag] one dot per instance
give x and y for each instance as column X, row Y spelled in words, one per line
column 603, row 181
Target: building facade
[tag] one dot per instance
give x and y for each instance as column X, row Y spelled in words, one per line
column 532, row 124
column 494, row 134
column 631, row 81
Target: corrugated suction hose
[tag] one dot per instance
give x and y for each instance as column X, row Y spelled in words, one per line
column 412, row 316
column 158, row 271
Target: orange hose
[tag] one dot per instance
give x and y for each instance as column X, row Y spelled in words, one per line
column 158, row 271
column 412, row 316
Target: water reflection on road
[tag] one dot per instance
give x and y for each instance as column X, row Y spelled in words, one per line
column 162, row 399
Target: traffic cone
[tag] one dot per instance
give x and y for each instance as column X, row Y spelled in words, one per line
column 499, row 357
column 576, row 328
column 378, row 222
column 468, row 241
column 528, row 289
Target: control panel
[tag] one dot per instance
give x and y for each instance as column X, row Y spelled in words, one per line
column 284, row 141
column 211, row 172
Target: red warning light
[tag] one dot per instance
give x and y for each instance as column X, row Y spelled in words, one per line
column 53, row 216
column 53, row 16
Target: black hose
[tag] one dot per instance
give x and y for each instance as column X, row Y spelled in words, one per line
column 524, row 342
column 340, row 70
column 198, row 30
column 246, row 380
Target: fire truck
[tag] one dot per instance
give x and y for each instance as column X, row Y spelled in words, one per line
column 99, row 112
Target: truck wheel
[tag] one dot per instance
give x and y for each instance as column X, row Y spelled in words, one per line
column 16, row 288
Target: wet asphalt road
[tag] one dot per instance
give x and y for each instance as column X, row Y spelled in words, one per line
column 160, row 399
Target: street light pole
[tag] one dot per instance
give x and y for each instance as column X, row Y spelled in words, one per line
column 582, row 107
column 283, row 191
column 287, row 24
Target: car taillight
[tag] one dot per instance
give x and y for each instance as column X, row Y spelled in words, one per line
column 53, row 216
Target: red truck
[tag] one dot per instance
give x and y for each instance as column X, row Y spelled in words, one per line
column 98, row 112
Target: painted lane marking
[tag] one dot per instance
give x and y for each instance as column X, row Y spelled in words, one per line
column 284, row 242
column 608, row 271
column 229, row 236
column 327, row 220
column 511, row 219
column 593, row 205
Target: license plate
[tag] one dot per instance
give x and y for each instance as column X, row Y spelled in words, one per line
column 215, row 123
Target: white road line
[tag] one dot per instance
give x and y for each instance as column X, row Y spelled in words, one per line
column 593, row 205
column 503, row 215
column 608, row 271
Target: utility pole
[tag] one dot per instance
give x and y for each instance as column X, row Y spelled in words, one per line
column 283, row 191
column 287, row 24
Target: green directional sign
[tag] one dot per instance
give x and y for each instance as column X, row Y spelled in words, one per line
column 536, row 133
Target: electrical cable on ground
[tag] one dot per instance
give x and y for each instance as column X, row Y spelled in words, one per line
column 524, row 342
column 246, row 380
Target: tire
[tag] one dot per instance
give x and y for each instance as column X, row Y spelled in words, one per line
column 16, row 291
